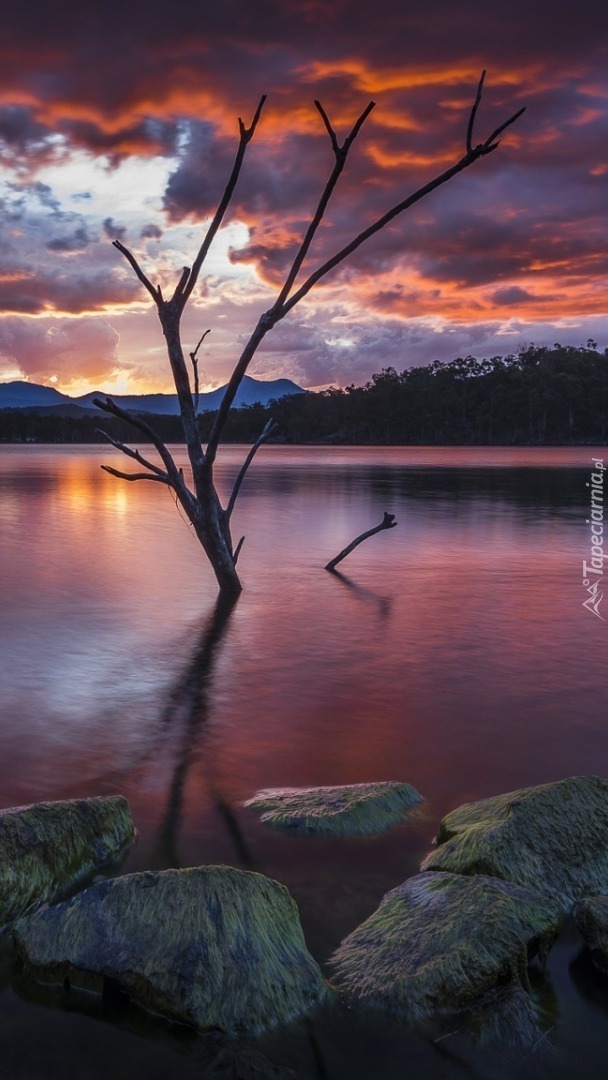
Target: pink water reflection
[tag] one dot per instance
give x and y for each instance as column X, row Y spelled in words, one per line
column 455, row 654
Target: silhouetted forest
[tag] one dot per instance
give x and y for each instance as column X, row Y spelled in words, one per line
column 539, row 396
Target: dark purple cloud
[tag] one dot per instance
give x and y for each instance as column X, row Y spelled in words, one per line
column 522, row 232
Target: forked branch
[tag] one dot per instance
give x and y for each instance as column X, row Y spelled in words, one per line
column 174, row 475
column 194, row 360
column 473, row 153
column 340, row 154
column 246, row 135
column 136, row 476
column 135, row 454
column 286, row 301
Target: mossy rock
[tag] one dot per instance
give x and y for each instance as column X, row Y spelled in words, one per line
column 210, row 946
column 441, row 942
column 513, row 1019
column 552, row 838
column 351, row 810
column 591, row 917
column 46, row 849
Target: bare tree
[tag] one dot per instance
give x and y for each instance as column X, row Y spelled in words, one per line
column 210, row 520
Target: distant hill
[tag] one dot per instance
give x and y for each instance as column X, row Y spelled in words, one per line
column 25, row 395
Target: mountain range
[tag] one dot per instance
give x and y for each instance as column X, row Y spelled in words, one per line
column 26, row 395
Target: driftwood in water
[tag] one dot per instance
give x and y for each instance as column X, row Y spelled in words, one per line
column 388, row 522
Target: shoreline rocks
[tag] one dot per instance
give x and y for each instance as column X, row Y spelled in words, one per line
column 349, row 810
column 591, row 917
column 211, row 946
column 440, row 942
column 47, row 848
column 552, row 838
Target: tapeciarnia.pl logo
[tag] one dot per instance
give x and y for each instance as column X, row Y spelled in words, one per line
column 593, row 571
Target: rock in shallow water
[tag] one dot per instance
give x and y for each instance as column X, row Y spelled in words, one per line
column 210, row 946
column 350, row 810
column 552, row 838
column 591, row 917
column 439, row 942
column 47, row 848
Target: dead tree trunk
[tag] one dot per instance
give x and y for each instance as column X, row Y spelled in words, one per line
column 211, row 522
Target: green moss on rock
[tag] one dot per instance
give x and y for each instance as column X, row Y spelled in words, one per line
column 552, row 838
column 591, row 917
column 428, row 950
column 351, row 810
column 210, row 946
column 47, row 848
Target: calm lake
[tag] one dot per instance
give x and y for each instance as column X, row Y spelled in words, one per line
column 453, row 653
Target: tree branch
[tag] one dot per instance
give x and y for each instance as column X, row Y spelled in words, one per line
column 195, row 368
column 246, row 135
column 135, row 454
column 154, row 293
column 267, row 433
column 472, row 155
column 136, row 476
column 388, row 522
column 471, row 124
column 181, row 285
column 283, row 305
column 237, row 550
column 340, row 154
column 175, row 475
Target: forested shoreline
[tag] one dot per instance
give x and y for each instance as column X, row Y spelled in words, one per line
column 541, row 395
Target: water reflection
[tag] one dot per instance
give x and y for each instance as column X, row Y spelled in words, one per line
column 187, row 711
column 453, row 654
column 382, row 604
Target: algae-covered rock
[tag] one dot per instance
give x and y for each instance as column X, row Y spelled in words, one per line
column 440, row 942
column 591, row 917
column 512, row 1019
column 351, row 810
column 211, row 946
column 552, row 838
column 47, row 848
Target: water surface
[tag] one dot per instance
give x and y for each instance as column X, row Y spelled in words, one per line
column 453, row 653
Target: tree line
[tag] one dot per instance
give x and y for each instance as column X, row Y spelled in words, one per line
column 541, row 395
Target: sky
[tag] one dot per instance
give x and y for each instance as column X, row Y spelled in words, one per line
column 121, row 123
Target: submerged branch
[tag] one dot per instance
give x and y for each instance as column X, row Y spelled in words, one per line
column 388, row 522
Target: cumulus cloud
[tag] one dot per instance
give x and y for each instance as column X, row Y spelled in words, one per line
column 44, row 348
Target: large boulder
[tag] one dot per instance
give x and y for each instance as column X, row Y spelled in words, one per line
column 552, row 838
column 46, row 849
column 591, row 917
column 210, row 946
column 440, row 942
column 350, row 810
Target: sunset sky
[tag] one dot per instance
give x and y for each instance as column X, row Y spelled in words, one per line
column 125, row 125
